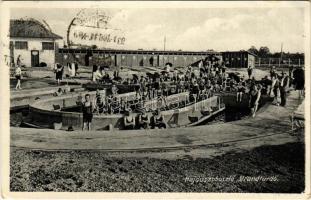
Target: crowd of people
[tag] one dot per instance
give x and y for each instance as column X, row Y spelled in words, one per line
column 201, row 81
column 201, row 84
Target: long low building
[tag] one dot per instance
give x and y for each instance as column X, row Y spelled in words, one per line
column 89, row 57
column 238, row 59
column 34, row 44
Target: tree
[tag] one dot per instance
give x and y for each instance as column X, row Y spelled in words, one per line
column 253, row 50
column 264, row 52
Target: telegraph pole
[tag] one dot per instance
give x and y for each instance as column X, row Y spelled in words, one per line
column 281, row 52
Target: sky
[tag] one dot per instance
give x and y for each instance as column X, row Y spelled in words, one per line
column 193, row 29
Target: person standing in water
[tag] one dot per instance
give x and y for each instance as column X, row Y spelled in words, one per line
column 87, row 109
column 18, row 76
column 240, row 90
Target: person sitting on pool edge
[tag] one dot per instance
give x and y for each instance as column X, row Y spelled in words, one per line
column 99, row 102
column 157, row 120
column 143, row 120
column 129, row 120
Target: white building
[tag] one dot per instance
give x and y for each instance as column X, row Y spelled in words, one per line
column 33, row 41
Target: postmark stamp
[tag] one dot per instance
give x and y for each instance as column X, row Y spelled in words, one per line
column 92, row 26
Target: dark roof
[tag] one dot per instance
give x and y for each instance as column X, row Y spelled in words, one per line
column 242, row 51
column 30, row 29
column 123, row 51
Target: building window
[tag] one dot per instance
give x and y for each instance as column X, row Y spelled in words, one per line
column 47, row 45
column 21, row 45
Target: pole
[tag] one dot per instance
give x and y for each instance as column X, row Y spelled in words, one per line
column 289, row 62
column 281, row 50
column 269, row 62
column 279, row 62
column 259, row 62
column 298, row 62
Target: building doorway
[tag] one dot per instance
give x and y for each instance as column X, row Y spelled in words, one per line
column 151, row 61
column 34, row 58
column 87, row 58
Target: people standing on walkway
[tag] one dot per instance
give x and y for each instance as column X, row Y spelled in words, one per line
column 284, row 81
column 58, row 72
column 275, row 89
column 254, row 98
column 272, row 72
column 249, row 71
column 76, row 68
column 19, row 60
column 299, row 81
column 18, row 76
column 71, row 70
column 87, row 109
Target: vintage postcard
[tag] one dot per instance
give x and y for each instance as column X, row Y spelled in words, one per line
column 174, row 100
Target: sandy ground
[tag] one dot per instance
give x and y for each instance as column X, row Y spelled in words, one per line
column 97, row 171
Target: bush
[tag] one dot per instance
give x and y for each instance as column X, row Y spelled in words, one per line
column 43, row 64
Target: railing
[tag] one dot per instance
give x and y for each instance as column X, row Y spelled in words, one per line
column 278, row 62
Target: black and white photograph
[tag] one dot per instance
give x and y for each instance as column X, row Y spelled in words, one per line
column 156, row 97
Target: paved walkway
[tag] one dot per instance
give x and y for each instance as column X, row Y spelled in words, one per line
column 270, row 121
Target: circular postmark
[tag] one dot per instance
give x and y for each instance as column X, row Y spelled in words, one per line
column 92, row 27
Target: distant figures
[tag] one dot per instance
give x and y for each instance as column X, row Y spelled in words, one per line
column 71, row 69
column 58, row 70
column 279, row 88
column 97, row 73
column 283, row 87
column 18, row 76
column 275, row 88
column 249, row 71
column 19, row 60
column 299, row 81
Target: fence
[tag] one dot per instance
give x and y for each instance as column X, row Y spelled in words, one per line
column 278, row 62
